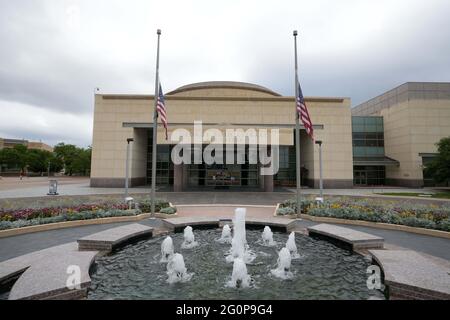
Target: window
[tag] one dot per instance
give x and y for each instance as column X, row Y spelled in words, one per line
column 369, row 175
column 286, row 175
column 164, row 166
column 368, row 136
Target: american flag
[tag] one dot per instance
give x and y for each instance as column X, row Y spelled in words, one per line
column 303, row 113
column 161, row 108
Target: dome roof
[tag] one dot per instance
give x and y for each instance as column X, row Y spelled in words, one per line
column 223, row 85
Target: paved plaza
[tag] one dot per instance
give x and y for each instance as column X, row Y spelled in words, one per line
column 18, row 245
column 202, row 204
column 13, row 187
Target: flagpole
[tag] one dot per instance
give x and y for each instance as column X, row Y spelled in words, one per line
column 155, row 127
column 297, row 133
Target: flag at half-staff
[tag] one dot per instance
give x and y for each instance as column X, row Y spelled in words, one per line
column 161, row 108
column 303, row 113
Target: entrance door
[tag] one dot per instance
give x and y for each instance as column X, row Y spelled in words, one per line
column 360, row 178
column 223, row 176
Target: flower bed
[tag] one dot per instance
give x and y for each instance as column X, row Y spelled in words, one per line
column 11, row 219
column 412, row 215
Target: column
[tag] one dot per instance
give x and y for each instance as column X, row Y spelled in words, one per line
column 178, row 178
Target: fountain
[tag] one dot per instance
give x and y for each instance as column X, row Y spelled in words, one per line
column 128, row 273
column 226, row 235
column 292, row 247
column 189, row 239
column 267, row 237
column 239, row 225
column 176, row 270
column 283, row 269
column 167, row 249
column 237, row 251
column 239, row 277
column 239, row 247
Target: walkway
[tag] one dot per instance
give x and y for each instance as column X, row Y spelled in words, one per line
column 13, row 188
column 15, row 246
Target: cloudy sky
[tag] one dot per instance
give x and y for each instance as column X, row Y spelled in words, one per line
column 53, row 53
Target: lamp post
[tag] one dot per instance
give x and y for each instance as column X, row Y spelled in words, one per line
column 129, row 140
column 319, row 143
column 48, row 170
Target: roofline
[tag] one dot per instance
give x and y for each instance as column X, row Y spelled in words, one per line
column 178, row 98
column 382, row 94
column 401, row 85
column 231, row 85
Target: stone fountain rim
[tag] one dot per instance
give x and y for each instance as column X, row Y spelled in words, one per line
column 29, row 261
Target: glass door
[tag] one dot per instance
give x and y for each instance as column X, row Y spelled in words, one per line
column 360, row 178
column 223, row 176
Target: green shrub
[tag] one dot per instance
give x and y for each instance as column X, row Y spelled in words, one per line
column 392, row 218
column 444, row 225
column 418, row 223
column 168, row 210
column 146, row 205
column 286, row 211
column 305, row 204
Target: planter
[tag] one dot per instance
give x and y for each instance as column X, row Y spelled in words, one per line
column 379, row 225
column 70, row 224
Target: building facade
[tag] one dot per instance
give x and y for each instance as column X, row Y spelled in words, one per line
column 416, row 116
column 10, row 143
column 385, row 141
column 220, row 106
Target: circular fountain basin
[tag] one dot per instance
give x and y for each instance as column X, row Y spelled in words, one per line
column 324, row 271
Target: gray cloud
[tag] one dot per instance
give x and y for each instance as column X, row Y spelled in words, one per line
column 54, row 52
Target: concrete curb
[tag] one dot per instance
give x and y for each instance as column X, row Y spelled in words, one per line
column 377, row 225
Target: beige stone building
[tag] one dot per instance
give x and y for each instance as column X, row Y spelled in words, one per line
column 416, row 116
column 385, row 141
column 10, row 143
column 219, row 105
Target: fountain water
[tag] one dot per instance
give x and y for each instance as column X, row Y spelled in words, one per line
column 267, row 237
column 292, row 247
column 240, row 277
column 226, row 235
column 167, row 249
column 189, row 239
column 239, row 247
column 176, row 270
column 239, row 225
column 237, row 251
column 284, row 265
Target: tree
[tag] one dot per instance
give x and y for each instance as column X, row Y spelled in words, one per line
column 439, row 168
column 38, row 160
column 14, row 158
column 21, row 153
column 82, row 162
column 66, row 153
column 75, row 160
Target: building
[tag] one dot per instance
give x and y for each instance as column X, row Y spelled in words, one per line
column 40, row 146
column 415, row 116
column 219, row 105
column 372, row 144
column 10, row 143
